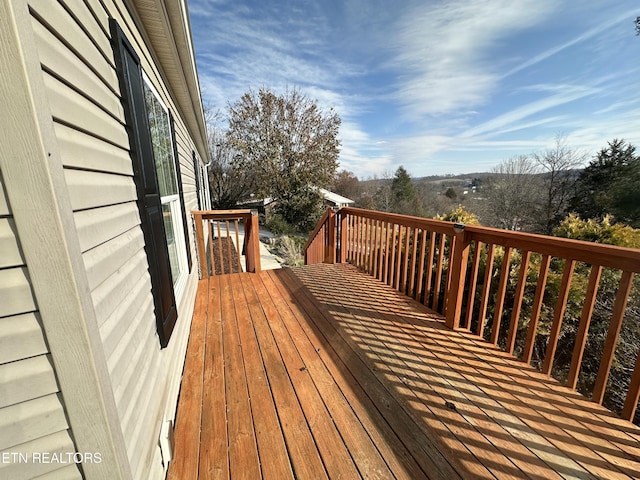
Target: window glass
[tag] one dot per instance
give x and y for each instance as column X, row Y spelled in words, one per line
column 161, row 138
column 167, row 215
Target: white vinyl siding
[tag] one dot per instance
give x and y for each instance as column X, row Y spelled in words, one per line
column 83, row 95
column 32, row 416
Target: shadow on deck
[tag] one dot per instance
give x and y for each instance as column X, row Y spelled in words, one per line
column 323, row 372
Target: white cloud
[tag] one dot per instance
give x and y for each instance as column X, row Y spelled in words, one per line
column 600, row 28
column 509, row 118
column 461, row 104
column 444, row 51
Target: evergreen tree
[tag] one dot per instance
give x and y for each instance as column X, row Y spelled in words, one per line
column 402, row 189
column 606, row 185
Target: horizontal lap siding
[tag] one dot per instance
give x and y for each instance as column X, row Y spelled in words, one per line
column 84, row 99
column 32, row 416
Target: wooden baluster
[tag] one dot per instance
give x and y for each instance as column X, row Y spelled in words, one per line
column 405, row 260
column 423, row 247
column 344, row 231
column 517, row 302
column 354, row 239
column 558, row 315
column 396, row 283
column 429, row 265
column 359, row 242
column 375, row 249
column 235, row 225
column 387, row 249
column 220, row 249
column 583, row 327
column 211, row 251
column 412, row 271
column 369, row 246
column 361, row 235
column 229, row 259
column 473, row 283
column 447, row 282
column 624, row 288
column 500, row 294
column 392, row 254
column 486, row 290
column 363, row 244
column 633, row 394
column 439, row 267
column 320, row 241
column 536, row 308
column 332, row 254
column 380, row 251
column 348, row 233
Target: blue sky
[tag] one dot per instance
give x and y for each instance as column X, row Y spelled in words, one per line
column 447, row 86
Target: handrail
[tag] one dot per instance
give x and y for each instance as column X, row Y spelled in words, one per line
column 321, row 244
column 213, row 220
column 482, row 279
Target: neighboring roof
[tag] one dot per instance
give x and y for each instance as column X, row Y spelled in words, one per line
column 335, row 198
column 326, row 194
column 256, row 202
column 166, row 23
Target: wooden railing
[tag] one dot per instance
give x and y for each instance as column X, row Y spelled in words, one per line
column 321, row 245
column 221, row 232
column 499, row 284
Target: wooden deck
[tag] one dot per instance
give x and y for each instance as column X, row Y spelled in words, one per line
column 324, row 372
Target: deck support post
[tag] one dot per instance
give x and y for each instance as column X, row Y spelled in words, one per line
column 459, row 256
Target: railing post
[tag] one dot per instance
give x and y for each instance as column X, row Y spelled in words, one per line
column 202, row 256
column 459, row 257
column 343, row 236
column 330, row 252
column 252, row 242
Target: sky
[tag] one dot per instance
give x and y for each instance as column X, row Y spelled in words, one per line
column 438, row 86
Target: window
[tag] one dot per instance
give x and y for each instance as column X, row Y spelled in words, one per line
column 157, row 178
column 162, row 140
column 201, row 183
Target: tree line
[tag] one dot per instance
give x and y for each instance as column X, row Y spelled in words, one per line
column 531, row 193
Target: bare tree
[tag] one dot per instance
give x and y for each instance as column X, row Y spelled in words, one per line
column 229, row 182
column 559, row 167
column 513, row 194
column 347, row 185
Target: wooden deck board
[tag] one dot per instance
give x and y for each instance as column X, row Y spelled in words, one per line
column 214, row 461
column 243, row 451
column 272, row 450
column 324, row 372
column 355, row 438
column 332, row 449
column 188, row 419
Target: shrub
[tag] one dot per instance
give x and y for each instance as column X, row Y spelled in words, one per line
column 290, row 250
